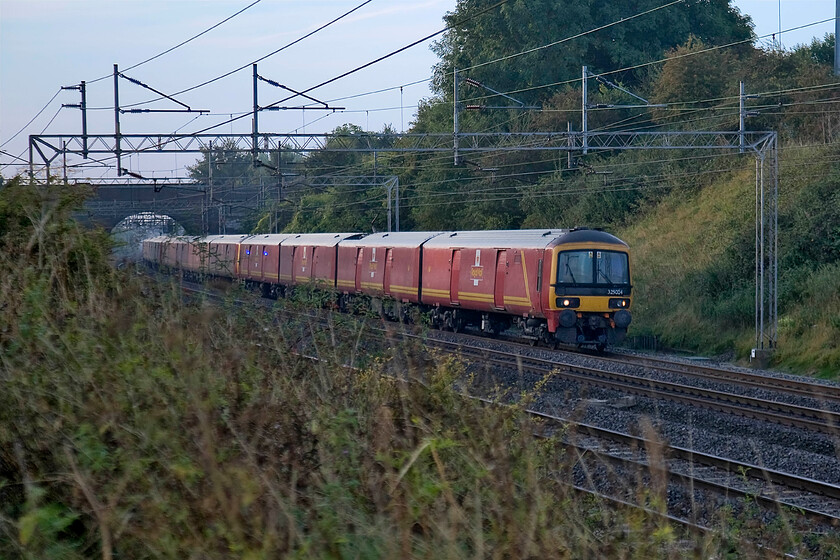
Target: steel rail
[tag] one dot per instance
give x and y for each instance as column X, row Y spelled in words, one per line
column 762, row 409
column 762, row 474
column 743, row 378
column 814, row 419
column 720, row 482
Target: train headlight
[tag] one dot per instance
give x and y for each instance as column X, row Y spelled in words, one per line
column 619, row 303
column 569, row 302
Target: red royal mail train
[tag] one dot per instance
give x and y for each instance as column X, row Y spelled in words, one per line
column 569, row 286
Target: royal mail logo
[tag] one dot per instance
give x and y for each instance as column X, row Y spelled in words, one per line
column 477, row 271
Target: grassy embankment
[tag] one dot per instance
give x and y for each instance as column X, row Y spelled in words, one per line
column 134, row 425
column 694, row 264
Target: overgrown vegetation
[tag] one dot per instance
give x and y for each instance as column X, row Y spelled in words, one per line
column 136, row 425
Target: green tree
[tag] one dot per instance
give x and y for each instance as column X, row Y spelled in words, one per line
column 794, row 100
column 697, row 82
column 352, row 200
column 478, row 38
column 230, row 166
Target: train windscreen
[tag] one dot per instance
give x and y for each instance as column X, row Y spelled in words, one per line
column 592, row 267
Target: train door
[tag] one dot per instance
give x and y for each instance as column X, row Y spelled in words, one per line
column 256, row 261
column 245, row 260
column 389, row 262
column 360, row 264
column 293, row 273
column 501, row 273
column 263, row 262
column 320, row 261
column 455, row 276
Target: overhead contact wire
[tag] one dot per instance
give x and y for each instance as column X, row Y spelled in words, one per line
column 244, row 66
column 181, row 44
column 366, row 65
column 32, row 119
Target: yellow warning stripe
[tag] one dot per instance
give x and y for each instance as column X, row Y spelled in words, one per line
column 525, row 272
column 472, row 296
column 438, row 293
column 270, row 275
column 403, row 290
column 374, row 285
column 347, row 283
column 285, row 277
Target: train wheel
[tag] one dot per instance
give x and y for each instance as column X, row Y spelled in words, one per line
column 437, row 320
column 549, row 340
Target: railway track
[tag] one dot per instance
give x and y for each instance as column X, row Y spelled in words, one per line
column 789, row 414
column 774, row 490
column 818, row 417
column 806, row 388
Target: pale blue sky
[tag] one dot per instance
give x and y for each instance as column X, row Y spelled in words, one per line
column 45, row 44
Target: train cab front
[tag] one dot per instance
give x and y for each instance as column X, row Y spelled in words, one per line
column 591, row 293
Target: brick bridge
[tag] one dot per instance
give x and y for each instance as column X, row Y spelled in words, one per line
column 188, row 204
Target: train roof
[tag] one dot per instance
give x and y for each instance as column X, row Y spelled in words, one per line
column 266, row 238
column 514, row 238
column 237, row 238
column 407, row 239
column 319, row 239
column 172, row 239
column 521, row 238
column 491, row 239
column 586, row 235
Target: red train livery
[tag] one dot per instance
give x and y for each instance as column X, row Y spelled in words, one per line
column 569, row 286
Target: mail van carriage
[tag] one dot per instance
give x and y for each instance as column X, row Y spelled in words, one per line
column 555, row 286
